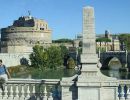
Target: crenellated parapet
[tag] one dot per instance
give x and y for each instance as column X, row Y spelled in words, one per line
column 26, row 31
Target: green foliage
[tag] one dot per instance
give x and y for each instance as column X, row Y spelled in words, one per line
column 45, row 74
column 63, row 41
column 71, row 63
column 125, row 38
column 16, row 69
column 46, row 58
column 64, row 51
column 54, row 57
column 38, row 57
column 80, row 44
column 79, row 51
column 103, row 40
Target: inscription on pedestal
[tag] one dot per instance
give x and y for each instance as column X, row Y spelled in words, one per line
column 87, row 45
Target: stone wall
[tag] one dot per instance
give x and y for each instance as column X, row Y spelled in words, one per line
column 14, row 59
column 27, row 31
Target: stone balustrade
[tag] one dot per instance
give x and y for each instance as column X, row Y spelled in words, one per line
column 124, row 90
column 31, row 89
column 50, row 89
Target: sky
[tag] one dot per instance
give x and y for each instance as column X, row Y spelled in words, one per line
column 65, row 16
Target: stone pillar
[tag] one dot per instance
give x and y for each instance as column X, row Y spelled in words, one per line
column 68, row 89
column 65, row 90
column 91, row 83
column 89, row 57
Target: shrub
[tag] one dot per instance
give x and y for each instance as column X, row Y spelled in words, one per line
column 16, row 69
column 71, row 63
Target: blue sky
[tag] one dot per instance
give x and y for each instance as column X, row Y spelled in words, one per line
column 65, row 16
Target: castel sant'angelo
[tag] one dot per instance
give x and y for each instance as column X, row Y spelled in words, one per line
column 18, row 39
column 25, row 32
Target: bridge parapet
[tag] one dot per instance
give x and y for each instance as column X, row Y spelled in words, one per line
column 124, row 90
column 50, row 89
column 31, row 89
column 116, row 51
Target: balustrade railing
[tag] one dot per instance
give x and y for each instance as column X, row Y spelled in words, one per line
column 46, row 89
column 31, row 89
column 124, row 90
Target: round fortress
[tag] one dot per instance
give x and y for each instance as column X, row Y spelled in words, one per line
column 25, row 32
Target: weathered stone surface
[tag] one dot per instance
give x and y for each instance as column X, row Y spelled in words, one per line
column 14, row 59
column 91, row 83
column 89, row 57
column 23, row 34
column 89, row 45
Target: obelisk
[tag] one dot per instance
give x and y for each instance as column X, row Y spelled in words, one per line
column 91, row 83
column 89, row 57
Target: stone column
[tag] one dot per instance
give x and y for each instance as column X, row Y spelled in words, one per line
column 91, row 83
column 88, row 31
column 89, row 57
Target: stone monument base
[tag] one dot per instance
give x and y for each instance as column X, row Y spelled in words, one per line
column 97, row 93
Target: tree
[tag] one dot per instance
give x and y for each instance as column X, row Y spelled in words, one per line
column 37, row 56
column 46, row 58
column 71, row 63
column 54, row 57
column 64, row 54
column 80, row 44
column 64, row 51
column 103, row 40
column 125, row 38
column 63, row 41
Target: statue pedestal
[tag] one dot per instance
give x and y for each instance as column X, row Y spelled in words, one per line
column 92, row 84
column 97, row 92
column 88, row 93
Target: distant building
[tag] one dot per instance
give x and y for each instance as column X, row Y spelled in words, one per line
column 114, row 45
column 77, row 40
column 25, row 32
